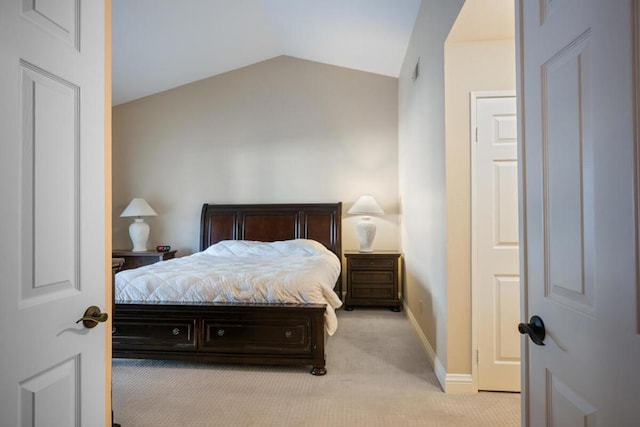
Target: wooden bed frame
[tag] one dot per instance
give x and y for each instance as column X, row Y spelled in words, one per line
column 286, row 334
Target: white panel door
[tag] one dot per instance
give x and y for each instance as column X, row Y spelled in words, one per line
column 52, row 95
column 496, row 243
column 579, row 238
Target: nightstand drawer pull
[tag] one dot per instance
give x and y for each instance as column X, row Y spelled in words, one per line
column 176, row 331
column 220, row 332
column 288, row 334
column 113, row 330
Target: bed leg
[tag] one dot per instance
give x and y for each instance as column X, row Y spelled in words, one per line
column 319, row 371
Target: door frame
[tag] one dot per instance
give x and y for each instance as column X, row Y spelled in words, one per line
column 473, row 99
column 108, row 200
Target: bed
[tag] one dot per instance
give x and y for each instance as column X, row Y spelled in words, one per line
column 238, row 332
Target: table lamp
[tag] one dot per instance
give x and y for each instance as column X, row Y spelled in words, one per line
column 366, row 206
column 138, row 230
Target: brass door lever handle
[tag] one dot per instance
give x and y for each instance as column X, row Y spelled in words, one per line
column 92, row 317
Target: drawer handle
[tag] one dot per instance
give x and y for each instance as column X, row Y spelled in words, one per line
column 176, row 331
column 288, row 334
column 113, row 330
column 220, row 332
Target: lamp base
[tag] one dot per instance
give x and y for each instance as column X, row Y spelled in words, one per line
column 366, row 231
column 139, row 233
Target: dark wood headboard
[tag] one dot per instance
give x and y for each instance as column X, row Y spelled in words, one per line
column 273, row 222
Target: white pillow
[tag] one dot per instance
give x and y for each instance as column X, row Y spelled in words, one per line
column 250, row 248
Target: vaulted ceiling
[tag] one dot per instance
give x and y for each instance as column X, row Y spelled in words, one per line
column 162, row 44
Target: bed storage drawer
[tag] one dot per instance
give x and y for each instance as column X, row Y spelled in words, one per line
column 257, row 335
column 230, row 333
column 154, row 333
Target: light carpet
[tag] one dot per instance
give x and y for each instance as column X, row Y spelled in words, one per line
column 377, row 376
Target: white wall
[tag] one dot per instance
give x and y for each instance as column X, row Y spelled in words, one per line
column 283, row 130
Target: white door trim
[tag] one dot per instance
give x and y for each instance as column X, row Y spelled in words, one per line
column 473, row 98
column 522, row 214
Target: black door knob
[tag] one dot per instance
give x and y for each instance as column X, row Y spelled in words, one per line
column 535, row 330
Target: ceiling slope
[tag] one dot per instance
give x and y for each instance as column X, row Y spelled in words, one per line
column 161, row 44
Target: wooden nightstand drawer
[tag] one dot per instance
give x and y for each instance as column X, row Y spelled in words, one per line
column 371, row 291
column 386, row 277
column 371, row 262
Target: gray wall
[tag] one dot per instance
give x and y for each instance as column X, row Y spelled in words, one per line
column 422, row 178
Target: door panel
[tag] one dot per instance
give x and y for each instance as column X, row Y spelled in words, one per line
column 507, row 344
column 567, row 145
column 52, row 215
column 52, row 397
column 50, row 187
column 578, row 151
column 505, row 195
column 60, row 18
column 566, row 407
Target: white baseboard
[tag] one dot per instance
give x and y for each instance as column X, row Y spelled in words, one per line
column 459, row 384
column 426, row 347
column 450, row 383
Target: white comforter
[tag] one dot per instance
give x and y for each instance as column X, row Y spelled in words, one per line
column 292, row 271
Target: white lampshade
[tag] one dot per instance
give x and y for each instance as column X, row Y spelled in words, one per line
column 138, row 207
column 366, row 205
column 138, row 230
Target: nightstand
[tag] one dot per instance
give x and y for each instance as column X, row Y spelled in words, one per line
column 372, row 279
column 138, row 259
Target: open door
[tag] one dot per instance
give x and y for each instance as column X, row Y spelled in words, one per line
column 578, row 119
column 52, row 214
